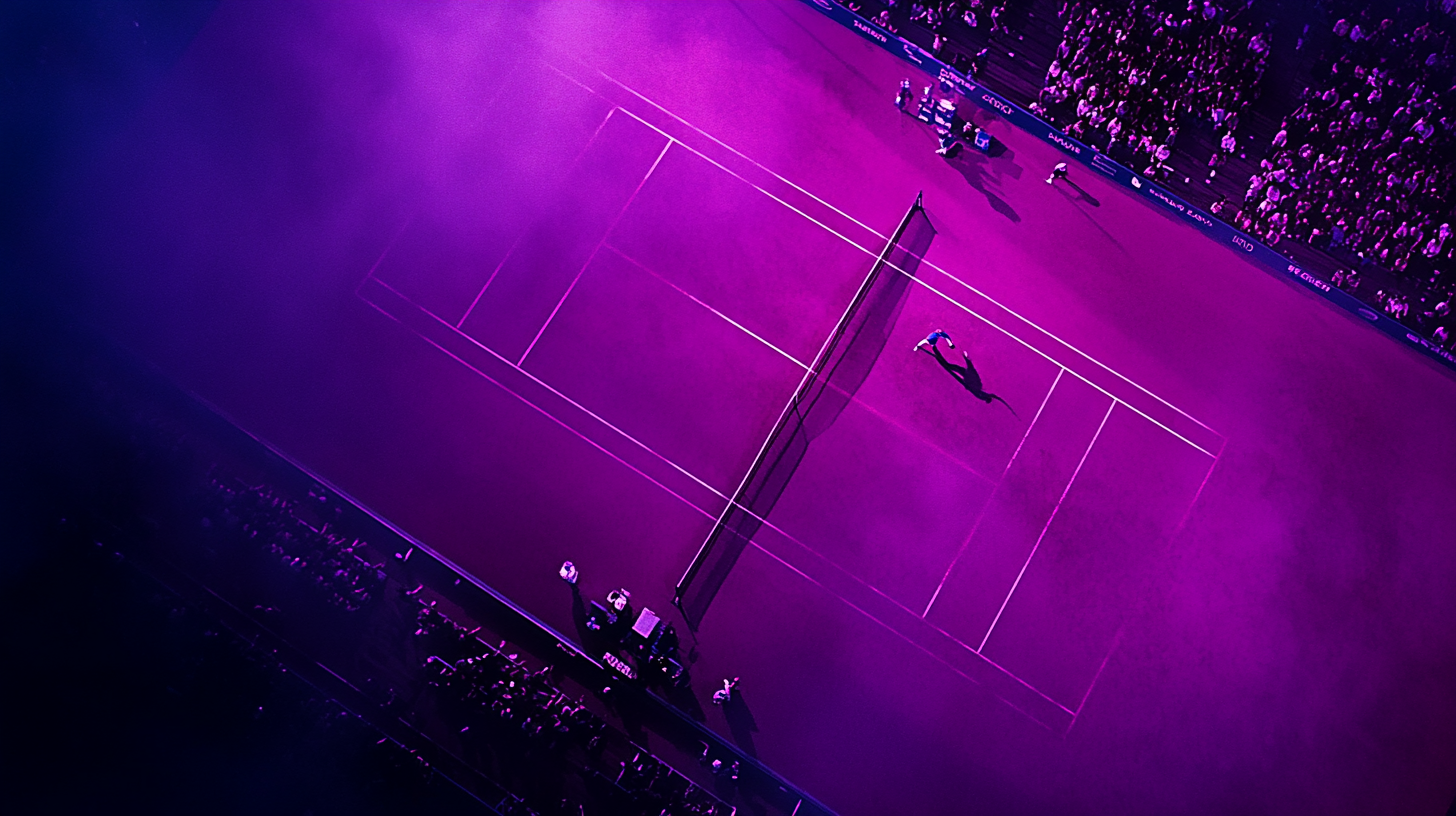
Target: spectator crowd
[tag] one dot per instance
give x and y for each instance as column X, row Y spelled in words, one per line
column 963, row 21
column 1129, row 73
column 503, row 698
column 494, row 685
column 327, row 561
column 1364, row 166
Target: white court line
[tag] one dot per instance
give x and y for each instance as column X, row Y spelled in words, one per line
column 491, row 278
column 857, row 246
column 881, row 257
column 1187, row 513
column 1054, row 362
column 687, row 295
column 533, row 378
column 730, row 149
column 788, row 536
column 987, row 506
column 950, row 299
column 387, row 247
column 1116, row 641
column 876, row 591
column 875, row 232
column 629, row 259
column 714, row 491
column 452, row 355
column 573, row 80
column 811, row 219
column 595, row 250
column 1046, row 527
column 1089, row 357
column 853, row 398
column 527, row 230
column 1199, row 492
column 543, row 384
column 847, row 602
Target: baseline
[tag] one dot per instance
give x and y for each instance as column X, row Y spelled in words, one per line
column 541, row 396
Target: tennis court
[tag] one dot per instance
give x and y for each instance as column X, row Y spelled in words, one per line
column 677, row 305
column 546, row 300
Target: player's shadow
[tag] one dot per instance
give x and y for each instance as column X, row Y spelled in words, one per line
column 578, row 617
column 969, row 378
column 741, row 723
column 978, row 168
column 686, row 701
column 1082, row 195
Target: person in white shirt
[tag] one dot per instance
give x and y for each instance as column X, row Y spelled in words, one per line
column 724, row 695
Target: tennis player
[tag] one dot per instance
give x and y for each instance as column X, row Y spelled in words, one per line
column 933, row 338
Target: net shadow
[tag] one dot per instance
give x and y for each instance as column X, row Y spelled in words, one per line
column 841, row 367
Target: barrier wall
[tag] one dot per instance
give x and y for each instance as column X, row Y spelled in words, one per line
column 1156, row 194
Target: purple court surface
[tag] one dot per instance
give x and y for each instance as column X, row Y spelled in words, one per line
column 535, row 282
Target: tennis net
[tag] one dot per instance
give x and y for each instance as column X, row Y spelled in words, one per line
column 840, row 368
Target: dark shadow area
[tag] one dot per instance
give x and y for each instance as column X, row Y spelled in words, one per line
column 75, row 75
column 151, row 705
column 975, row 167
column 138, row 697
column 980, row 117
column 584, row 635
column 201, row 626
column 969, row 378
column 1083, row 194
column 741, row 723
column 687, row 702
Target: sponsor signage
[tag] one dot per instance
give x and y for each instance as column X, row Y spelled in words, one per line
column 870, row 30
column 1103, row 164
column 1308, row 279
column 962, row 84
column 996, row 103
column 1062, row 140
column 616, row 663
